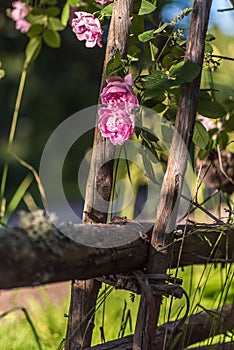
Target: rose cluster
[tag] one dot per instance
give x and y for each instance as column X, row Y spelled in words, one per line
column 18, row 14
column 116, row 117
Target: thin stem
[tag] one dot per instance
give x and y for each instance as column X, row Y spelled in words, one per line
column 227, row 9
column 17, row 104
column 223, row 57
column 11, row 137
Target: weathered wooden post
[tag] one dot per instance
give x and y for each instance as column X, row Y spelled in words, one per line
column 159, row 256
column 84, row 293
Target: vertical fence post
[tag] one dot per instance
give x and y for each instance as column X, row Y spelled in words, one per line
column 159, row 255
column 84, row 293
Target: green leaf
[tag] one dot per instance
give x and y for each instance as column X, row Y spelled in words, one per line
column 210, row 109
column 161, row 28
column 167, row 60
column 72, row 2
column 146, row 7
column 159, row 107
column 52, row 38
column 203, row 153
column 210, row 37
column 35, row 30
column 133, row 52
column 137, row 25
column 148, row 167
column 208, row 48
column 52, row 11
column 55, row 24
column 146, row 36
column 222, row 139
column 184, row 72
column 35, row 18
column 229, row 124
column 115, row 65
column 18, row 195
column 33, row 49
column 155, row 83
column 107, row 10
column 65, row 14
column 200, row 135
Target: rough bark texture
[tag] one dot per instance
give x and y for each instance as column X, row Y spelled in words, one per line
column 198, row 328
column 40, row 254
column 173, row 180
column 101, row 168
column 79, row 332
column 98, row 189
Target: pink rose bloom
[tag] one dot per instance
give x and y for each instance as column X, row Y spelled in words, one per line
column 119, row 93
column 22, row 25
column 209, row 124
column 103, row 2
column 117, row 124
column 18, row 14
column 87, row 27
column 19, row 11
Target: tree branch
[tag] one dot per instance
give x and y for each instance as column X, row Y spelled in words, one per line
column 41, row 254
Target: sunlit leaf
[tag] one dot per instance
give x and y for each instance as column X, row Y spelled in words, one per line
column 146, row 36
column 55, row 24
column 33, row 49
column 65, row 14
column 200, row 135
column 107, row 10
column 184, row 72
column 146, row 7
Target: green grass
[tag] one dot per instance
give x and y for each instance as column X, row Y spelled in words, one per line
column 208, row 287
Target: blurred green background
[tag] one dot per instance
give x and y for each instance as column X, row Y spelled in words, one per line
column 63, row 81
column 59, row 83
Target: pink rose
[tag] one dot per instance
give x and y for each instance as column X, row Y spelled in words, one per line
column 19, row 11
column 103, row 2
column 87, row 27
column 18, row 14
column 209, row 124
column 117, row 124
column 119, row 93
column 22, row 25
